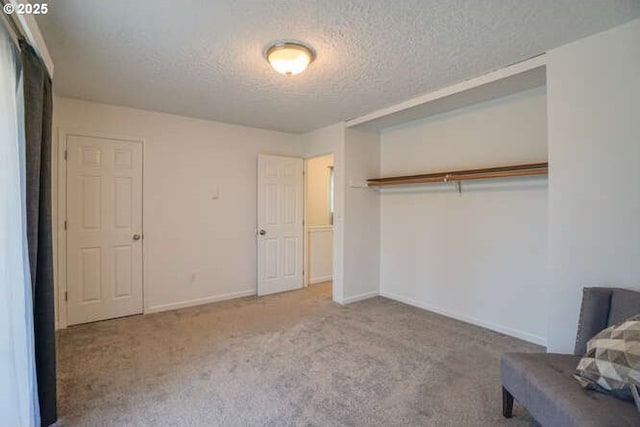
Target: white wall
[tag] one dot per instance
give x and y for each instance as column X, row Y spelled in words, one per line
column 186, row 231
column 480, row 256
column 594, row 150
column 361, row 216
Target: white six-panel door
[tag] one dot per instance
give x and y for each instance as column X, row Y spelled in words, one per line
column 280, row 228
column 104, row 228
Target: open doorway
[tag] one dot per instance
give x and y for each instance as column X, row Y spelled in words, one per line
column 318, row 229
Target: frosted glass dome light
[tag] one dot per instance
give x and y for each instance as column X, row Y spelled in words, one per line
column 289, row 58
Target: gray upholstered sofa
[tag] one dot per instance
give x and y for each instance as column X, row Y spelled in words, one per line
column 543, row 382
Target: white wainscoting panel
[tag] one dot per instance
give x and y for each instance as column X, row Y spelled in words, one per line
column 320, row 240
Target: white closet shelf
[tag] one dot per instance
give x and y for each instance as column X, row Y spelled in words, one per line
column 519, row 77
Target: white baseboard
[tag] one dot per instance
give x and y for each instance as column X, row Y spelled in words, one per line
column 360, row 297
column 536, row 339
column 320, row 279
column 198, row 301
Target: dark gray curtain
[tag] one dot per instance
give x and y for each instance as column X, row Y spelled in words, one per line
column 38, row 111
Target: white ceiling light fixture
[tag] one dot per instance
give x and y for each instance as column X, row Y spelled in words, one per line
column 289, row 58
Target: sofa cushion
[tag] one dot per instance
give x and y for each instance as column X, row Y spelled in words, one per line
column 544, row 384
column 612, row 356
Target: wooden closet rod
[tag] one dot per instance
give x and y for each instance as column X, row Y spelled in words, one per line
column 464, row 175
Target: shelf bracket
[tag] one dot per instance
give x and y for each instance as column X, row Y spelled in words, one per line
column 459, row 186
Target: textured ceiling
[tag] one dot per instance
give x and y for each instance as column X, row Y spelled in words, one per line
column 204, row 58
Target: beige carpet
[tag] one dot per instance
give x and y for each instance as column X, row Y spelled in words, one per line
column 290, row 359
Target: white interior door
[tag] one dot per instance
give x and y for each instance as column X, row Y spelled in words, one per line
column 104, row 228
column 280, row 233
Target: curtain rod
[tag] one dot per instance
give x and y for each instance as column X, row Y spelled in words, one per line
column 12, row 27
column 25, row 27
column 464, row 175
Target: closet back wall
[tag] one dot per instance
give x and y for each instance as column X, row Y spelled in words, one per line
column 480, row 256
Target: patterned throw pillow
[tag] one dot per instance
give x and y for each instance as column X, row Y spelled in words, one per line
column 612, row 357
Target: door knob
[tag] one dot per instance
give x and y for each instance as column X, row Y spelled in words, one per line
column 136, row 237
column 262, row 232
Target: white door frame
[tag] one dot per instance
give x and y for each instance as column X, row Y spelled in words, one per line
column 305, row 245
column 60, row 210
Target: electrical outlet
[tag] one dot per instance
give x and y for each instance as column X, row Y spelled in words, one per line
column 194, row 275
